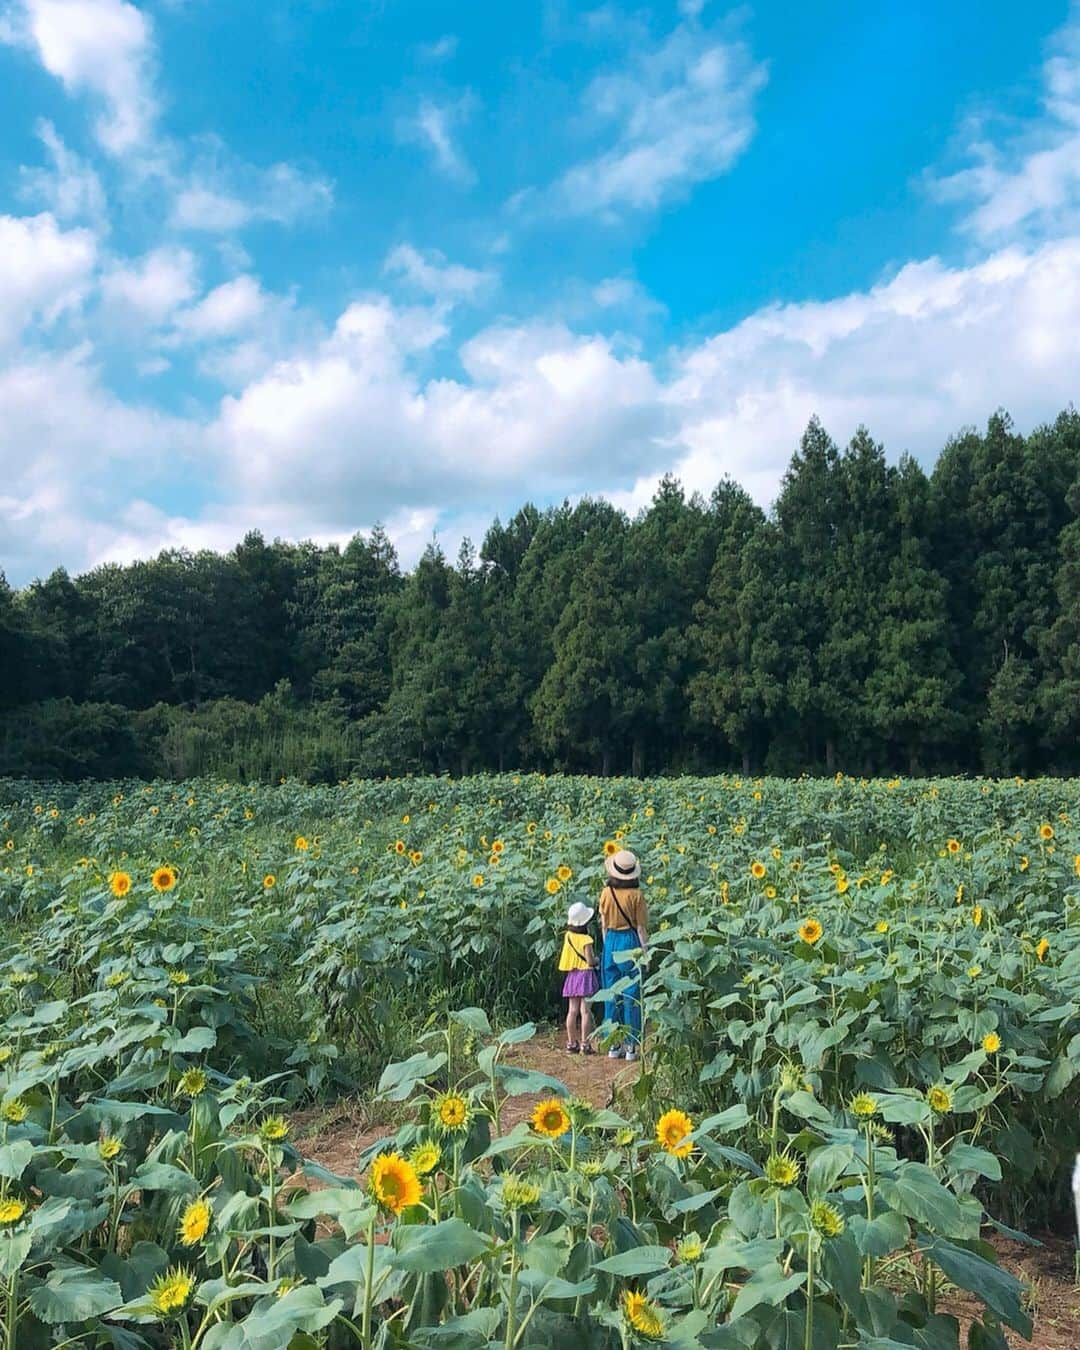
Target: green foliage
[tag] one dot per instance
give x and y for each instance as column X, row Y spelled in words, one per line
column 875, row 620
column 189, row 961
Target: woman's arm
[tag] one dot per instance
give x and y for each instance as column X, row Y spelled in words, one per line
column 643, row 923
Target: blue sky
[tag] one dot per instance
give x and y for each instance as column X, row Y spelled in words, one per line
column 303, row 267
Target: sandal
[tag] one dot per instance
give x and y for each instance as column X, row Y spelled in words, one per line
column 587, row 1050
column 573, row 1049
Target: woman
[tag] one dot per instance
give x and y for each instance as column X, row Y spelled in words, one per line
column 624, row 921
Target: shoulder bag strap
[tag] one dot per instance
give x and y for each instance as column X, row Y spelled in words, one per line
column 618, row 906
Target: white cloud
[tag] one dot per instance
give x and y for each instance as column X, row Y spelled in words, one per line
column 349, row 431
column 145, row 292
column 45, row 271
column 231, row 308
column 97, row 47
column 1032, row 184
column 433, row 126
column 682, row 113
column 431, row 273
column 435, row 53
column 71, row 189
column 91, row 451
column 221, row 194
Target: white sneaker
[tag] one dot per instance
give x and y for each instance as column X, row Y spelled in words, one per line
column 614, row 1054
column 631, row 1055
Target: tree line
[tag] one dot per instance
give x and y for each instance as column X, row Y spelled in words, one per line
column 878, row 619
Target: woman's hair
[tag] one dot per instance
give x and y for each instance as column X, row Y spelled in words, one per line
column 624, row 883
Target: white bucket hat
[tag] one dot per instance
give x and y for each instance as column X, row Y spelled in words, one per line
column 578, row 915
column 623, row 866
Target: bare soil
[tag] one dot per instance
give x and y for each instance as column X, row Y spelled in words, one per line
column 335, row 1137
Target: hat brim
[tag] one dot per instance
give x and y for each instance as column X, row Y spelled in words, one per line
column 616, row 875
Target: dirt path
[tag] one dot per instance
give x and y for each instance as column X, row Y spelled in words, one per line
column 336, row 1137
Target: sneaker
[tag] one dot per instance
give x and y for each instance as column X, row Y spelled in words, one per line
column 614, row 1054
column 631, row 1056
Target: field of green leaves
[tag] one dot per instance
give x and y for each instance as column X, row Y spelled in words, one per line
column 862, row 1062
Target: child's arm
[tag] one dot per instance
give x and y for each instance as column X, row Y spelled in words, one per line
column 591, row 956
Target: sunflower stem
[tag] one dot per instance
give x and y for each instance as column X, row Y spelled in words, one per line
column 365, row 1324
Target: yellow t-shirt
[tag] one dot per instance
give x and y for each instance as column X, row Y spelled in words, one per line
column 576, row 950
column 631, row 900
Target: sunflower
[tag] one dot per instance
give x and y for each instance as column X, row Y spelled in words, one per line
column 193, row 1083
column 269, row 881
column 452, row 1112
column 109, row 1147
column 1025, row 862
column 273, row 1129
column 811, row 931
column 1046, row 832
column 842, row 885
column 887, row 876
column 552, row 885
column 781, row 1169
column 170, row 1293
column 517, row 1193
column 564, row 873
column 120, row 884
column 864, row 1105
column 882, row 926
column 394, row 1182
column 14, row 1112
column 672, row 1129
column 1042, row 949
column 550, row 1118
column 829, row 1222
column 194, row 1223
column 416, row 857
column 497, row 846
column 642, row 1315
column 164, row 879
column 399, row 846
column 301, row 843
column 478, row 879
column 690, row 1248
column 991, row 1042
column 425, row 1157
column 757, row 870
column 770, row 892
column 940, row 1100
column 610, row 848
column 954, row 846
column 1076, row 864
column 11, row 1211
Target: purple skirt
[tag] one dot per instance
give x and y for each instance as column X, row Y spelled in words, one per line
column 580, row 984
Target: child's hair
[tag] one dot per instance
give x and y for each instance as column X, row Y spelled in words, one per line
column 578, row 928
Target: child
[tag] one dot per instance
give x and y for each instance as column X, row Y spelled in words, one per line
column 579, row 961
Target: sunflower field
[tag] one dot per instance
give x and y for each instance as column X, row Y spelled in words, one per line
column 862, row 1063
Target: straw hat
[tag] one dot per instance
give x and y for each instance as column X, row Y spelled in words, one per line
column 578, row 915
column 623, row 866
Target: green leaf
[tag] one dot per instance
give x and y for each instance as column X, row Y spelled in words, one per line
column 273, row 1322
column 74, row 1294
column 769, row 1286
column 1000, row 1290
column 398, row 1080
column 441, row 1246
column 14, row 1158
column 734, row 1118
column 880, row 1236
column 806, row 1107
column 352, row 1209
column 472, row 1331
column 916, row 1192
column 476, row 1019
column 163, row 1177
column 963, row 1157
column 636, row 1261
column 14, row 1249
column 826, row 1166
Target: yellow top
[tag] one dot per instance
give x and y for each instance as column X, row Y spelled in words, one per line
column 632, row 901
column 576, row 950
